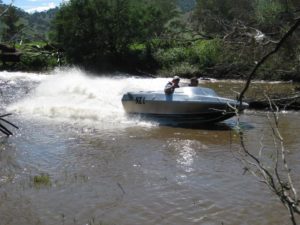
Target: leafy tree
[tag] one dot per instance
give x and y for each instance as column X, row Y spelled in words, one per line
column 89, row 30
column 12, row 27
column 93, row 31
column 152, row 16
column 268, row 10
column 215, row 16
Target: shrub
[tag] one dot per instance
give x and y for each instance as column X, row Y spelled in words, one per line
column 208, row 52
column 172, row 56
column 183, row 69
column 42, row 179
column 267, row 11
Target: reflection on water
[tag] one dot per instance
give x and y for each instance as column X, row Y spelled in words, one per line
column 106, row 168
column 185, row 153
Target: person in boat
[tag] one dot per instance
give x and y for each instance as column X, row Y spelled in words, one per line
column 194, row 82
column 171, row 85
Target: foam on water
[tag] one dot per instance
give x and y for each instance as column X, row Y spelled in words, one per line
column 75, row 95
column 12, row 76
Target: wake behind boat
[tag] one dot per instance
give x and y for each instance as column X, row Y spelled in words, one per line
column 186, row 104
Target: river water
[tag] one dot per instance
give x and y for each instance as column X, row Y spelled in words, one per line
column 105, row 168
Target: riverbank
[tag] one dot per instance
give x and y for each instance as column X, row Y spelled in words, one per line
column 205, row 58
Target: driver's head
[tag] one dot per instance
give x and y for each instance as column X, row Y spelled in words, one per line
column 176, row 79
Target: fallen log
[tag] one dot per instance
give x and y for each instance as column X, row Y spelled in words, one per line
column 286, row 103
column 10, row 57
column 5, row 48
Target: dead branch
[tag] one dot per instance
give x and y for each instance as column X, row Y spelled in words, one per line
column 265, row 57
column 290, row 102
column 177, row 36
column 281, row 184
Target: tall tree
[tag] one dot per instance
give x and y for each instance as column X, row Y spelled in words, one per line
column 11, row 28
column 93, row 30
column 215, row 16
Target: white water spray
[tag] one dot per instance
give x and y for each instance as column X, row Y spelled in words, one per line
column 74, row 95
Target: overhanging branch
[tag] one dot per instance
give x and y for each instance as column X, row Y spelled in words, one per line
column 264, row 58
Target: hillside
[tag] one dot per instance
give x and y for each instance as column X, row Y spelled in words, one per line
column 37, row 25
column 32, row 27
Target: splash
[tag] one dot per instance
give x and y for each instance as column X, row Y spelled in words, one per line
column 75, row 95
column 17, row 76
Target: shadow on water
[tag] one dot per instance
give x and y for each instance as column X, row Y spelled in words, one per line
column 227, row 125
column 201, row 126
column 213, row 126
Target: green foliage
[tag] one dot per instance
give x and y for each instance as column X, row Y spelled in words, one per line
column 37, row 62
column 151, row 17
column 137, row 47
column 267, row 10
column 42, row 179
column 138, row 52
column 37, row 57
column 182, row 69
column 171, row 56
column 92, row 31
column 208, row 52
column 152, row 35
column 204, row 53
column 11, row 26
column 210, row 16
column 38, row 25
column 25, row 26
column 239, row 23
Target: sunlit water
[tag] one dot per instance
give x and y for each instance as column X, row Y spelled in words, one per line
column 106, row 168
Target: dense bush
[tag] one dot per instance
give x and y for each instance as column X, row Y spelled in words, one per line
column 190, row 59
column 93, row 31
column 208, row 52
column 267, row 11
column 38, row 56
column 219, row 37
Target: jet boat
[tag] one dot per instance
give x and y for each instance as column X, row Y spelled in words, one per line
column 186, row 104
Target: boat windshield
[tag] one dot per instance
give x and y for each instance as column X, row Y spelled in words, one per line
column 196, row 91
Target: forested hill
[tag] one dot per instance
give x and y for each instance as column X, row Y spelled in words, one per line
column 37, row 25
column 33, row 26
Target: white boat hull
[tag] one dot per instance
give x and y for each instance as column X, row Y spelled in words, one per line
column 187, row 104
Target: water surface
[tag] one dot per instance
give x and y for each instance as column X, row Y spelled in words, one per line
column 106, row 168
